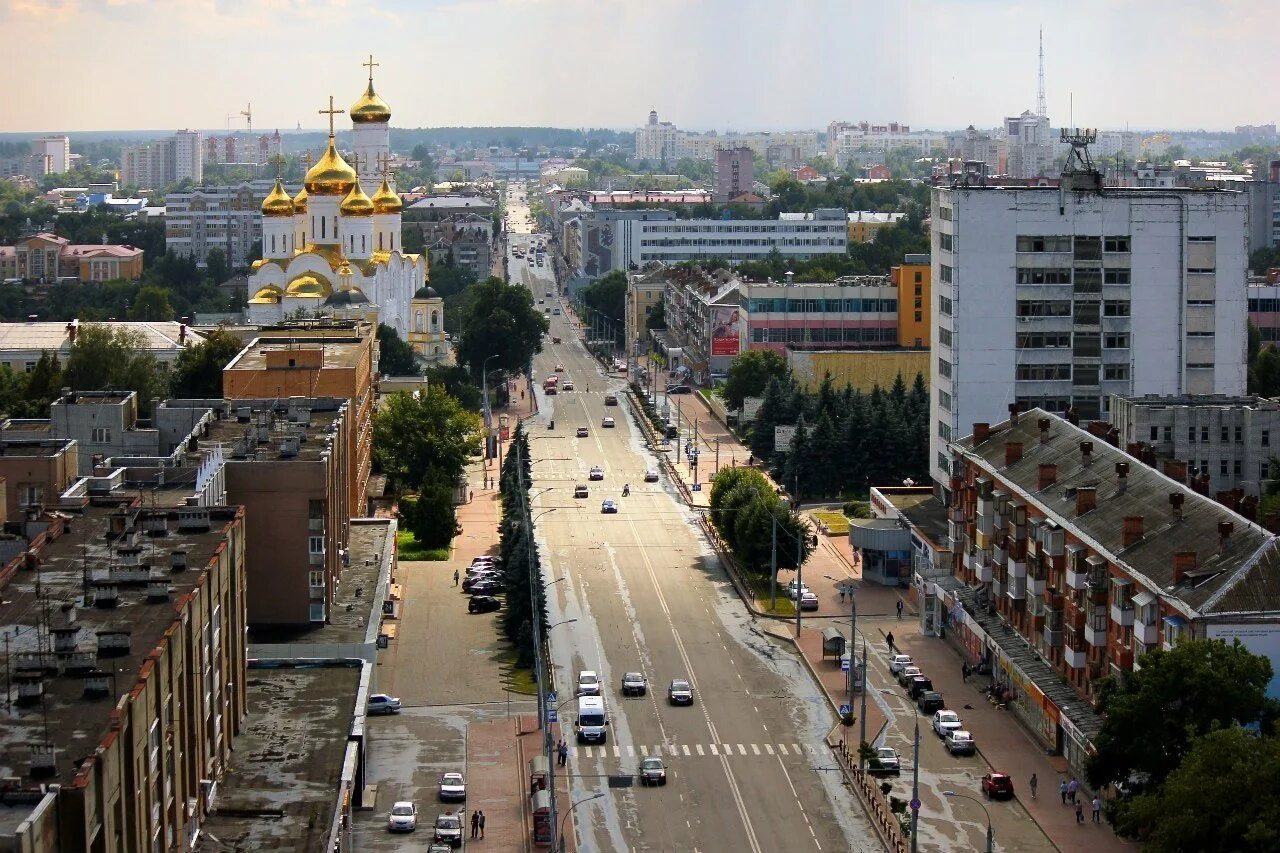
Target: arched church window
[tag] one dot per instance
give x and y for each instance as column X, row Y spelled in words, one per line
column 417, row 322
column 435, row 321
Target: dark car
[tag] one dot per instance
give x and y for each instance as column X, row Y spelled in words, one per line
column 477, row 585
column 918, row 685
column 483, row 604
column 634, row 684
column 485, row 587
column 671, row 431
column 930, row 701
column 679, row 389
column 997, row 786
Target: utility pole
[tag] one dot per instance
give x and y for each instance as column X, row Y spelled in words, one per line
column 862, row 717
column 799, row 581
column 717, row 471
column 773, row 568
column 915, row 789
column 677, row 429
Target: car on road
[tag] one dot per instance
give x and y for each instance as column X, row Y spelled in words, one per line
column 794, row 591
column 582, row 432
column 886, row 760
column 897, row 662
column 559, row 368
column 554, row 339
column 403, row 817
column 609, row 507
column 653, row 771
column 555, row 312
column 483, row 586
column 550, row 294
column 946, row 721
column 680, row 692
column 651, row 475
column 960, row 742
column 483, row 604
column 809, row 601
column 918, row 685
column 679, row 389
column 452, row 787
column 930, row 701
column 581, row 491
column 607, row 423
column 381, row 703
column 449, row 829
column 634, row 684
column 596, row 473
column 611, row 399
column 567, row 386
column 997, row 786
column 542, row 302
column 907, row 673
column 588, row 683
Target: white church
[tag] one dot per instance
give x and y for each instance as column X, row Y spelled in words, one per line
column 334, row 249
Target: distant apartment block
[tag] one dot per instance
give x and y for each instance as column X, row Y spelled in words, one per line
column 46, row 258
column 157, row 164
column 734, row 173
column 241, row 149
column 51, row 155
column 1030, row 146
column 1264, row 305
column 21, row 344
column 863, row 224
column 227, row 218
column 659, row 142
column 847, row 139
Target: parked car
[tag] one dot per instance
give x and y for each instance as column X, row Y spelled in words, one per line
column 907, row 673
column 808, row 601
column 918, row 685
column 930, row 701
column 485, row 586
column 634, row 684
column 960, row 742
column 997, row 786
column 403, row 817
column 554, row 339
column 607, row 423
column 483, row 569
column 897, row 662
column 453, row 786
column 886, row 760
column 582, row 432
column 609, row 507
column 581, row 491
column 653, row 771
column 795, row 589
column 449, row 829
column 680, row 692
column 596, row 473
column 671, row 431
column 651, row 475
column 946, row 721
column 483, row 604
column 588, row 683
column 381, row 703
column 679, row 389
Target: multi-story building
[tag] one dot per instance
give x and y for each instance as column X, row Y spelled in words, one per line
column 863, row 224
column 157, row 164
column 1124, row 144
column 22, row 344
column 657, row 141
column 660, row 142
column 644, row 294
column 734, row 173
column 1264, row 208
column 852, row 312
column 1030, row 145
column 1060, row 298
column 126, row 665
column 913, row 280
column 692, row 300
column 1071, row 559
column 242, row 149
column 980, row 147
column 1264, row 305
column 51, row 155
column 426, row 334
column 47, row 258
column 1224, row 440
column 226, row 218
column 847, row 139
column 35, row 471
column 459, row 225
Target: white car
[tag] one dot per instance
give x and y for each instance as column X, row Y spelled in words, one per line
column 403, row 817
column 596, row 473
column 588, row 683
column 897, row 662
column 381, row 703
column 453, row 787
column 609, row 507
column 651, row 475
column 888, row 759
column 607, row 422
column 960, row 742
column 946, row 721
column 809, row 601
column 907, row 673
column 794, row 592
column 449, row 829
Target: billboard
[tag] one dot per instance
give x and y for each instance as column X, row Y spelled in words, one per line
column 725, row 332
column 782, row 437
column 1261, row 638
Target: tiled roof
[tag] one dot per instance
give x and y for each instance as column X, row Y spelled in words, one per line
column 1239, row 574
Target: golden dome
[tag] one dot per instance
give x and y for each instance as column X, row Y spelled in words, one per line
column 331, row 175
column 309, row 284
column 277, row 202
column 385, row 200
column 370, row 109
column 300, row 201
column 356, row 203
column 268, row 295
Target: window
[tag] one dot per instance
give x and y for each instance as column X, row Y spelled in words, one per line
column 944, row 336
column 1191, row 434
column 1200, row 270
column 944, row 400
column 944, row 272
column 1044, row 308
column 1119, row 340
column 1264, row 470
column 944, row 213
column 1239, row 435
column 315, row 544
column 1086, row 313
column 1115, row 276
column 944, row 242
column 315, row 579
column 28, row 366
column 1044, row 276
column 1155, row 433
column 944, row 368
column 1266, row 438
column 919, row 316
column 1201, row 239
column 1087, row 248
column 1168, row 435
column 1087, row 344
column 944, row 430
column 1085, row 375
column 1088, row 280
column 1204, row 435
column 317, row 611
column 1115, row 371
column 30, row 494
column 919, row 279
column 1116, row 244
column 1115, row 308
column 1225, row 432
column 944, row 305
column 1044, row 340
column 1222, row 467
column 100, row 435
column 1236, row 467
column 1044, row 244
column 1043, row 372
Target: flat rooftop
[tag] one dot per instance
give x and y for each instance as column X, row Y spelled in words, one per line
column 266, row 434
column 34, row 447
column 1201, row 400
column 38, row 602
column 281, row 790
column 338, row 353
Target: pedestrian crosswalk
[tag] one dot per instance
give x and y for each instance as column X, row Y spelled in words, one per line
column 685, row 750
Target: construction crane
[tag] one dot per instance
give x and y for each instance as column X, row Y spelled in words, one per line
column 230, row 116
column 247, row 112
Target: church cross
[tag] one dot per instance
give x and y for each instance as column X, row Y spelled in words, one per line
column 331, row 112
column 371, row 65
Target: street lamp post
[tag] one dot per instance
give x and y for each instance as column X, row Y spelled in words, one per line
column 990, row 835
column 915, row 779
column 484, row 390
column 556, row 845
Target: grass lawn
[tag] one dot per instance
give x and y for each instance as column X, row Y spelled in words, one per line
column 760, row 588
column 515, row 679
column 410, row 550
column 836, row 522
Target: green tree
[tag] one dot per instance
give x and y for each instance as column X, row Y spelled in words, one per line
column 500, row 320
column 105, row 357
column 776, row 409
column 656, row 316
column 216, row 265
column 151, row 304
column 431, row 516
column 424, row 438
column 395, row 357
column 456, row 382
column 1151, row 717
column 608, row 296
column 197, row 373
column 749, row 375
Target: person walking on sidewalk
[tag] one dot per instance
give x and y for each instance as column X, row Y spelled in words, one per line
column 481, row 813
column 1033, row 784
column 1072, row 789
column 475, row 824
column 1097, row 809
column 1079, row 812
column 1062, row 790
column 455, row 577
column 563, row 752
column 899, row 608
column 888, row 638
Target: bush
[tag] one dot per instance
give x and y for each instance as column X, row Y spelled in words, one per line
column 431, row 516
column 858, row 509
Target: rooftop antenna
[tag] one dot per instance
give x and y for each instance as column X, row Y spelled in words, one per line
column 1041, row 108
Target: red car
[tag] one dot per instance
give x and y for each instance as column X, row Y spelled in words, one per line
column 997, row 786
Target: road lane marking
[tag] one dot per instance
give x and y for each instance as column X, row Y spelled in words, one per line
column 686, row 749
column 699, row 748
column 742, row 750
column 755, row 749
column 782, row 748
column 616, row 754
column 768, row 748
column 712, row 747
column 631, row 752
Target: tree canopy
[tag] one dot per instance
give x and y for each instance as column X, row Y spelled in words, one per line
column 749, row 375
column 395, row 357
column 106, row 357
column 197, row 374
column 500, row 320
column 743, row 508
column 608, row 295
column 424, row 438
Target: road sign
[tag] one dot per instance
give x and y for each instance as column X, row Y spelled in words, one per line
column 552, row 715
column 844, row 664
column 846, row 710
column 551, row 697
column 915, row 805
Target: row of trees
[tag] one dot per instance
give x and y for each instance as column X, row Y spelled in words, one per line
column 521, row 563
column 1190, row 744
column 744, row 509
column 845, row 441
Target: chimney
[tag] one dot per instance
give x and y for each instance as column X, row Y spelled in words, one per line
column 1086, row 499
column 1175, row 470
column 1012, row 452
column 1086, row 452
column 1175, row 503
column 1133, row 529
column 1044, row 423
column 1183, row 562
column 1134, row 448
column 981, row 432
column 1113, row 437
column 1224, row 534
column 1048, row 476
column 71, row 332
column 1122, row 476
column 1013, row 414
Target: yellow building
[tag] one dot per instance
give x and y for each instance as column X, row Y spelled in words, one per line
column 912, row 280
column 863, row 224
column 426, row 330
column 863, row 369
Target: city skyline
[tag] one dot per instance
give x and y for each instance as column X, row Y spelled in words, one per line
column 901, row 69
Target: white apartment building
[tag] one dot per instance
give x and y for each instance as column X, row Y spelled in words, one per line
column 51, row 155
column 1030, row 145
column 1060, row 298
column 1118, row 143
column 663, row 237
column 844, row 139
column 663, row 142
column 165, row 161
column 227, row 218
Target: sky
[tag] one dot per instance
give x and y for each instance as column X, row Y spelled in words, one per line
column 702, row 64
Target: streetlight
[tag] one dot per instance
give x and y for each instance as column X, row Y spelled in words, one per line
column 915, row 776
column 556, row 844
column 990, row 836
column 563, row 622
column 484, row 386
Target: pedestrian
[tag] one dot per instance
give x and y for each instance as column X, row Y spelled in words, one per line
column 899, row 608
column 475, row 824
column 1079, row 812
column 888, row 638
column 1072, row 789
column 563, row 752
column 481, row 813
column 1062, row 790
column 1097, row 809
column 842, row 593
column 964, row 672
column 455, row 577
column 1033, row 784
column 471, row 495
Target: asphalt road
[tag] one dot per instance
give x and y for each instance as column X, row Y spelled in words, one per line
column 747, row 765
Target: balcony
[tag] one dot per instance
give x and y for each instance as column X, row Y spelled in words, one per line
column 982, row 571
column 1017, row 568
column 1036, row 584
column 1122, row 614
column 1075, row 658
column 1077, row 577
column 316, row 558
column 1017, row 588
column 1098, row 593
column 1095, row 634
column 1076, row 618
column 315, row 525
column 1052, row 636
column 1146, row 634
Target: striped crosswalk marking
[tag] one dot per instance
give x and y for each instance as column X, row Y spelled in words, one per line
column 616, row 754
column 698, row 747
column 782, row 749
column 755, row 749
column 644, row 751
column 742, row 750
column 768, row 748
column 686, row 749
column 676, row 750
column 631, row 751
column 713, row 749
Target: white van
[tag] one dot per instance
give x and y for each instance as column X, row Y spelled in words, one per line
column 592, row 720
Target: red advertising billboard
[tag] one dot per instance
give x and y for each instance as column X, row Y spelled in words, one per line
column 726, row 321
